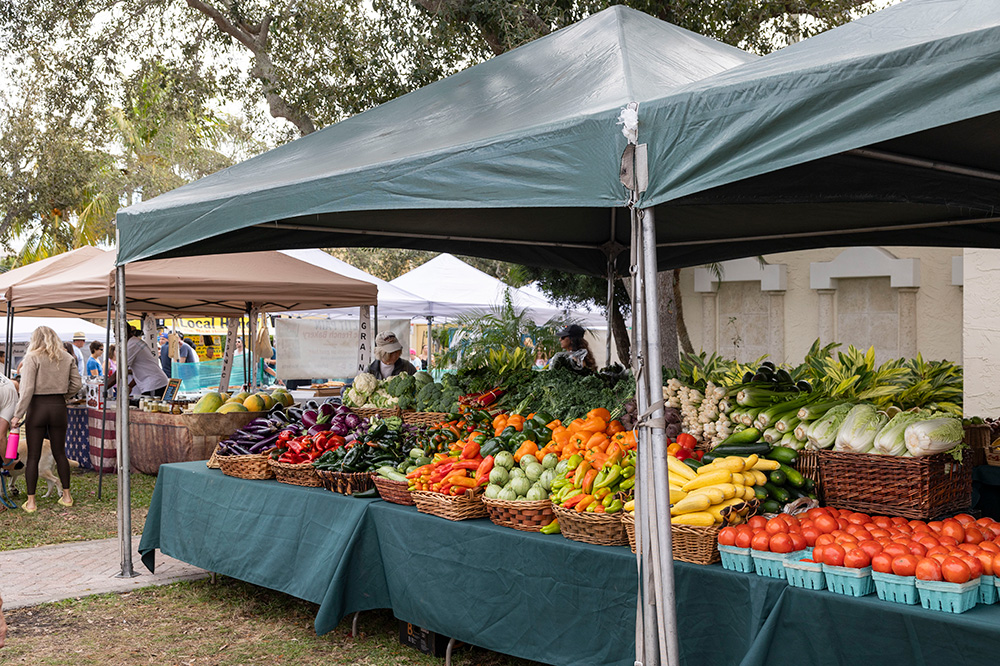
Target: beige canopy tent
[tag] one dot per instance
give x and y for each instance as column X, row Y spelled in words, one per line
column 219, row 285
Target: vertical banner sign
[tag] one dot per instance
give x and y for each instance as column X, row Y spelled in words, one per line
column 227, row 357
column 365, row 339
column 149, row 333
column 253, row 356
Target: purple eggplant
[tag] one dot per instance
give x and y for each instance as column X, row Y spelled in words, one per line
column 264, row 444
column 309, row 418
column 326, row 409
column 318, row 427
column 352, row 420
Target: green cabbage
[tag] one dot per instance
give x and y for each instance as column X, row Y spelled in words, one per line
column 925, row 438
column 858, row 430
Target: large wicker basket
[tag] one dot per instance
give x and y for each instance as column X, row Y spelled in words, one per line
column 520, row 514
column 423, row 418
column 213, row 461
column 460, row 507
column 345, row 483
column 697, row 545
column 808, row 466
column 978, row 439
column 253, row 466
column 921, row 488
column 600, row 529
column 628, row 520
column 397, row 492
column 302, row 474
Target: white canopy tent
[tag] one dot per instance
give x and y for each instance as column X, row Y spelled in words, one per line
column 65, row 327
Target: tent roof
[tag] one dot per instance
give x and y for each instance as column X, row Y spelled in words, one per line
column 219, row 285
column 59, row 262
column 523, row 147
column 884, row 131
column 393, row 302
column 455, row 288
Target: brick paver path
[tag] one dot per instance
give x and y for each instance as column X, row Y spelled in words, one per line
column 34, row 576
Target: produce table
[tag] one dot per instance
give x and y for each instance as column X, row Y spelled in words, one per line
column 534, row 596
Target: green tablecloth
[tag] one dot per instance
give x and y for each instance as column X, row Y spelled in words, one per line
column 530, row 595
column 307, row 542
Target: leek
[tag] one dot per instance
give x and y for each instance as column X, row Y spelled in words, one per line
column 760, row 396
column 787, row 423
column 817, row 410
column 789, row 441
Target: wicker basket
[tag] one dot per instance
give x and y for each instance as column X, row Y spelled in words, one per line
column 628, row 520
column 921, row 488
column 600, row 529
column 460, row 507
column 397, row 492
column 345, row 483
column 301, row 474
column 978, row 439
column 423, row 418
column 254, row 466
column 697, row 545
column 213, row 462
column 808, row 466
column 369, row 412
column 520, row 515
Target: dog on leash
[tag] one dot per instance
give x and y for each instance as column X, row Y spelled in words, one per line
column 46, row 467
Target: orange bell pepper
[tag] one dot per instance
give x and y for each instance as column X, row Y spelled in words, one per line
column 673, row 448
column 560, row 436
column 615, row 427
column 575, row 425
column 599, row 412
column 552, row 425
column 594, row 424
column 597, row 441
column 527, row 447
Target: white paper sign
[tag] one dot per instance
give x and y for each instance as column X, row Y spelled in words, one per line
column 316, row 348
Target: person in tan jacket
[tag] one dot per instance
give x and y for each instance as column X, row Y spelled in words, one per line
column 49, row 377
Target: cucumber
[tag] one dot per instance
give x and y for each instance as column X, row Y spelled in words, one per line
column 760, row 492
column 810, row 485
column 793, row 475
column 782, row 454
column 747, row 436
column 692, row 463
column 771, row 506
column 777, row 477
column 722, row 450
column 391, row 474
column 776, row 493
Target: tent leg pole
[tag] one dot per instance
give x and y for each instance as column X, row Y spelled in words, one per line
column 9, row 349
column 611, row 304
column 104, row 392
column 645, row 517
column 121, row 433
column 658, row 436
column 375, row 321
column 430, row 342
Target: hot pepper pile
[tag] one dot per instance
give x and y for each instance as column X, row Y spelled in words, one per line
column 382, row 442
column 461, row 469
column 582, row 486
column 305, row 448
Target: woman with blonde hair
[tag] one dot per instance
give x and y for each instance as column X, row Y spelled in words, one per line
column 49, row 377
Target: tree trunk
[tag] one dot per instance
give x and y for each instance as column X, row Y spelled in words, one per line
column 667, row 308
column 682, row 330
column 620, row 332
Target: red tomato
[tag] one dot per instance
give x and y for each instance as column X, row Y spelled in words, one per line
column 952, row 528
column 985, row 521
column 973, row 534
column 776, row 525
column 873, row 548
column 919, row 527
column 819, row 554
column 975, row 566
column 935, row 526
column 964, row 518
column 857, row 530
column 744, row 534
column 834, row 555
column 856, row 558
column 859, row 518
column 882, row 562
column 898, row 520
column 968, row 547
column 879, row 533
column 985, row 558
column 955, row 570
column 882, row 521
column 757, row 522
column 940, row 557
column 825, row 539
column 813, row 514
column 905, row 565
column 805, row 522
column 727, row 536
column 943, row 550
column 780, row 542
column 842, row 522
column 990, row 546
column 918, row 549
column 811, row 534
column 927, row 540
column 760, row 541
column 904, row 528
column 948, row 541
column 896, row 550
column 996, row 563
column 928, row 569
column 799, row 541
column 826, row 523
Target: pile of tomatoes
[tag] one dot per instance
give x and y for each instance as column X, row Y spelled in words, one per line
column 955, row 550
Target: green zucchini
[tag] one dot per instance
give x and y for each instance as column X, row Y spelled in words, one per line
column 782, row 454
column 692, row 463
column 776, row 493
column 759, row 448
column 777, row 477
column 747, row 436
column 771, row 506
column 760, row 492
column 793, row 475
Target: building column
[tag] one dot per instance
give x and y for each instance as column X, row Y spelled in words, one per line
column 826, row 327
column 908, row 322
column 709, row 322
column 776, row 326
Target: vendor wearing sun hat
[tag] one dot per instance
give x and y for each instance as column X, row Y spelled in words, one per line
column 571, row 340
column 388, row 357
column 79, row 340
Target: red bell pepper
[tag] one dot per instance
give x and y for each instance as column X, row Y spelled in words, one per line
column 687, row 441
column 470, row 450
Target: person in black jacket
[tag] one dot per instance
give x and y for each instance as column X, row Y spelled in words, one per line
column 388, row 357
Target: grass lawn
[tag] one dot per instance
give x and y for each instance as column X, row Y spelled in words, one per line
column 227, row 623
column 89, row 518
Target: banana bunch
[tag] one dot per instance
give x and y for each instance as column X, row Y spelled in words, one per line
column 715, row 493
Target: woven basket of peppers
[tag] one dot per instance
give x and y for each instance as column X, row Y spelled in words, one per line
column 451, row 486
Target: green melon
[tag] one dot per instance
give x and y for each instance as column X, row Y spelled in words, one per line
column 210, row 402
column 231, row 407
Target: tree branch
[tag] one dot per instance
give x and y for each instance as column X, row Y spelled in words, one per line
column 465, row 11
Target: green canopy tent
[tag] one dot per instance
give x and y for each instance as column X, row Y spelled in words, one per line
column 517, row 158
